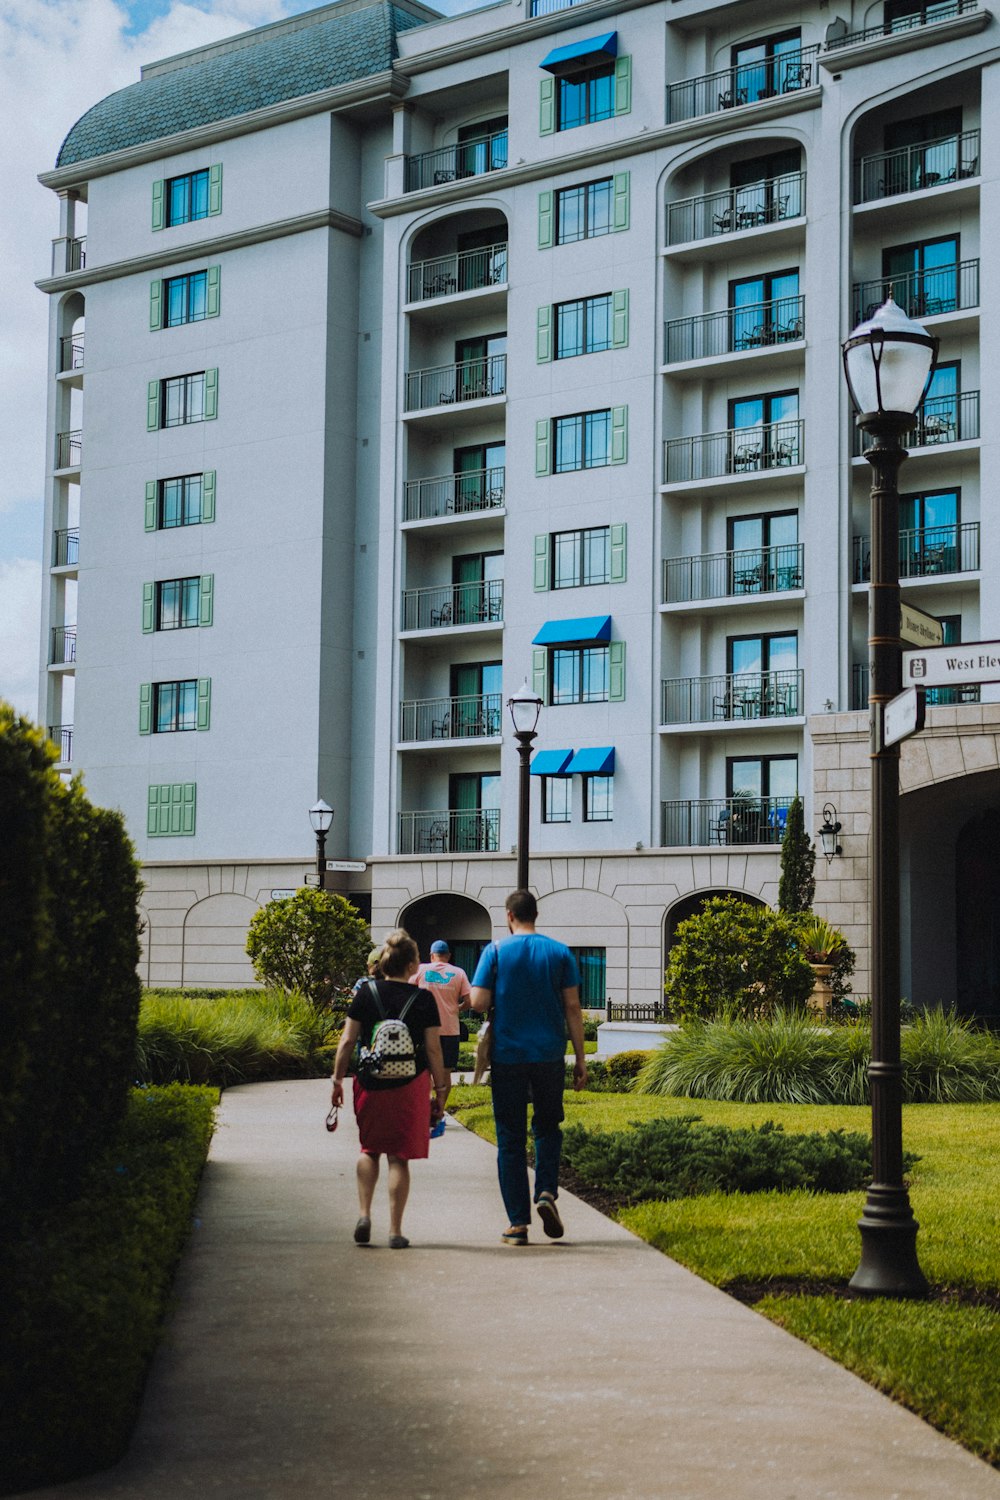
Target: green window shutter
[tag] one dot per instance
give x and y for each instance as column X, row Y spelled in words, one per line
column 145, row 707
column 156, row 304
column 546, row 220
column 148, row 608
column 619, row 319
column 618, row 552
column 619, row 434
column 546, row 105
column 616, row 671
column 206, row 599
column 204, row 702
column 159, row 204
column 543, row 552
column 543, row 341
column 211, row 395
column 215, row 189
column 188, row 802
column 153, row 811
column 621, row 206
column 543, row 447
column 170, row 809
column 623, row 85
column 208, row 496
column 540, row 673
column 213, row 283
column 153, row 406
column 151, row 504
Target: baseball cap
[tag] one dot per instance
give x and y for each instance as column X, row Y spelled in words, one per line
column 440, row 947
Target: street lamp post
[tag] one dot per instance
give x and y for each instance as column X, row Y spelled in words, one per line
column 888, row 361
column 524, row 710
column 321, row 817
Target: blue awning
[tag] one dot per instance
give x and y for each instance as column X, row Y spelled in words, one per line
column 594, row 761
column 590, row 628
column 551, row 762
column 580, row 54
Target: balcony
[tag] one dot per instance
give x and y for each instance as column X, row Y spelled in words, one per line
column 446, row 385
column 731, row 88
column 927, row 552
column 731, row 210
column 921, row 294
column 454, row 604
column 465, row 271
column 66, row 547
column 63, row 646
column 70, row 353
column 739, row 450
column 939, row 419
column 455, row 163
column 733, row 330
column 940, row 697
column 701, row 821
column 546, row 7
column 921, row 19
column 446, row 831
column 726, row 575
column 914, row 169
column 454, row 494
column 475, row 717
column 68, row 255
column 731, row 697
column 69, row 449
column 61, row 735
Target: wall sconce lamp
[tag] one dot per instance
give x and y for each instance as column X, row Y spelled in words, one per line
column 828, row 832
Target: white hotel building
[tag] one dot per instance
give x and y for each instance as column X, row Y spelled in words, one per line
column 396, row 358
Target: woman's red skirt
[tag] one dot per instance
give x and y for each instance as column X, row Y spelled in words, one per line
column 395, row 1122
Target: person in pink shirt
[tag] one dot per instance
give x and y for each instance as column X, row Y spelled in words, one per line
column 450, row 987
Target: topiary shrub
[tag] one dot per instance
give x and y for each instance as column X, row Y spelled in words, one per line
column 625, row 1067
column 735, row 959
column 313, row 942
column 797, row 884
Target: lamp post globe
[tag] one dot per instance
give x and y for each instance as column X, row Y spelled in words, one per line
column 525, row 707
column 321, row 817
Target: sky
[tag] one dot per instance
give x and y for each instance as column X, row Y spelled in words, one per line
column 57, row 58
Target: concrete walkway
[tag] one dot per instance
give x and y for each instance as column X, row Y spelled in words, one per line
column 299, row 1365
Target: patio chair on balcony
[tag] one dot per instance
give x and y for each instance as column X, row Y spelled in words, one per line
column 797, row 76
column 730, row 98
column 786, row 332
column 786, row 452
column 938, row 430
column 434, row 840
column 753, row 338
column 723, row 222
column 442, row 616
column 720, row 828
column 441, row 728
column 724, row 706
column 442, row 177
column 749, row 580
column 746, row 458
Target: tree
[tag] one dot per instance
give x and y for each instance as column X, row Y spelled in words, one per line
column 313, row 942
column 797, row 885
column 734, row 959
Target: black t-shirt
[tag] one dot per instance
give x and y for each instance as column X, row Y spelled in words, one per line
column 394, row 993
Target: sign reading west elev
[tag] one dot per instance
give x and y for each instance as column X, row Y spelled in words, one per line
column 948, row 666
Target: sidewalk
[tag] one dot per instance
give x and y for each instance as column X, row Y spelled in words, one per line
column 299, row 1365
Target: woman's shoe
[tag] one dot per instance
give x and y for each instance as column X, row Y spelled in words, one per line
column 363, row 1230
column 398, row 1242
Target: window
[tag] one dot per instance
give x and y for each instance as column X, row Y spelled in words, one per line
column 765, row 309
column 759, row 790
column 584, row 98
column 476, row 701
column 593, row 966
column 183, row 400
column 581, row 557
column 186, row 298
column 477, row 593
column 765, row 430
column 924, row 277
column 584, row 212
column 179, row 501
column 474, row 812
column 188, row 197
column 939, row 414
column 764, row 675
column 177, row 603
column 582, row 441
column 175, row 706
column 764, row 553
column 902, row 15
column 557, row 799
column 929, row 535
column 481, row 366
column 598, row 799
column 480, row 475
column 482, row 147
column 579, row 674
column 583, row 326
column 767, row 67
column 767, row 188
column 932, row 155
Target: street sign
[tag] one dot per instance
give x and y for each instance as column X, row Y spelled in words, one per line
column 311, row 878
column 918, row 628
column 347, row 864
column 281, row 895
column 947, row 666
column 903, row 716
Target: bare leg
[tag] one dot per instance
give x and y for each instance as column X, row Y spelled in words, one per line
column 367, row 1178
column 399, row 1191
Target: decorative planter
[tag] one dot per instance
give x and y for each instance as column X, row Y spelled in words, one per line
column 822, row 990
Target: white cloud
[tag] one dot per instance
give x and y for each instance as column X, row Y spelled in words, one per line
column 20, row 605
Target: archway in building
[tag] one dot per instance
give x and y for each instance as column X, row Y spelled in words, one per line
column 977, row 916
column 462, row 923
column 689, row 905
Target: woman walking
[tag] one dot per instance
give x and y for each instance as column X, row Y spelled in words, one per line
column 394, row 1115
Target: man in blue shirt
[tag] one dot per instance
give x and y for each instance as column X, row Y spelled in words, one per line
column 534, row 985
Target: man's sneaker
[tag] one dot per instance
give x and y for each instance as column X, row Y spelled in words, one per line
column 549, row 1215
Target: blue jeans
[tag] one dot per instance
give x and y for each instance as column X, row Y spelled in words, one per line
column 514, row 1084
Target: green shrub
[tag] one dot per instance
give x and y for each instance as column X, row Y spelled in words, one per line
column 947, row 1060
column 734, row 959
column 313, row 942
column 797, row 883
column 85, row 1293
column 244, row 1036
column 590, row 1025
column 623, row 1067
column 677, row 1158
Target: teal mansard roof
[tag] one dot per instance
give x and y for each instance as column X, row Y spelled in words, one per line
column 345, row 43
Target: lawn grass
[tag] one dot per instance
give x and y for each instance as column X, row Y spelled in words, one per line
column 939, row 1359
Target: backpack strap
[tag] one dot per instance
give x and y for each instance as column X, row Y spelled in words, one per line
column 373, row 991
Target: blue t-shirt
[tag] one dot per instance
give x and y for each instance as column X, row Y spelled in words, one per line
column 527, row 974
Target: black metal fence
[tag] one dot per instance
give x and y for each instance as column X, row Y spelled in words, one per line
column 926, row 551
column 914, row 169
column 702, row 821
column 731, row 695
column 454, row 494
column 921, row 294
column 739, row 450
column 732, row 209
column 453, row 604
column 446, row 831
column 472, row 716
column 486, row 153
column 465, row 271
column 720, row 575
column 784, row 73
column 470, row 380
column 938, row 11
column 732, row 329
column 66, row 547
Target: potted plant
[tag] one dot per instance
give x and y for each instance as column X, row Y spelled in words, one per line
column 821, row 944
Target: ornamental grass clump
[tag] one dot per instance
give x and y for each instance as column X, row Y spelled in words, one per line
column 239, row 1038
column 947, row 1060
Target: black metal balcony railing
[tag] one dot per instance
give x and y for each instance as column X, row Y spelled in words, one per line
column 739, row 450
column 454, row 494
column 66, row 547
column 733, row 209
column 476, row 716
column 488, row 153
column 453, row 604
column 926, row 552
column 912, row 169
column 68, row 254
column 938, row 11
column 734, row 329
column 69, row 449
column 466, row 271
column 446, row 831
column 939, row 419
column 62, row 736
column 921, row 294
column 70, row 353
column 941, row 697
column 730, row 88
column 63, row 647
column 699, row 821
column 721, row 575
column 546, row 7
column 470, row 380
column 732, row 695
